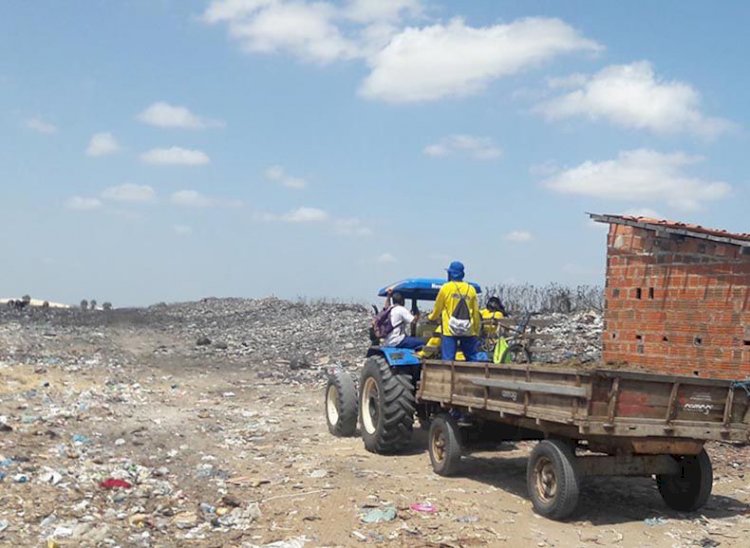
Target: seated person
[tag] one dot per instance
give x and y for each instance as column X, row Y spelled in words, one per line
column 494, row 309
column 401, row 319
column 493, row 312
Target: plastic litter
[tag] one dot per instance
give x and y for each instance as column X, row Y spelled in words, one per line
column 114, row 483
column 3, row 525
column 378, row 515
column 297, row 542
column 651, row 522
column 424, row 507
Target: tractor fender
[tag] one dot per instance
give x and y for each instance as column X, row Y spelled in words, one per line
column 396, row 357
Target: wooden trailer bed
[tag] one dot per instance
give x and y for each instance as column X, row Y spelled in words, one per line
column 582, row 403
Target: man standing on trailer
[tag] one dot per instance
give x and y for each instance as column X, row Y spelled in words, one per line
column 458, row 309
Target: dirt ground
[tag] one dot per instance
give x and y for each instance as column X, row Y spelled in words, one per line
column 185, row 431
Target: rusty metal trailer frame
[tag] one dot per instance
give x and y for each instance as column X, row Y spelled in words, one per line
column 652, row 410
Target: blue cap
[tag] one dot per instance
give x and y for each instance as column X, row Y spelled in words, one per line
column 456, row 270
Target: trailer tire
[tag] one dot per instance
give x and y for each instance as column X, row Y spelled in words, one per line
column 341, row 404
column 690, row 489
column 386, row 407
column 444, row 445
column 552, row 479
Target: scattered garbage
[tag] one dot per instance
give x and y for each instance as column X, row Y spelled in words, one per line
column 115, row 483
column 424, row 507
column 378, row 515
column 651, row 522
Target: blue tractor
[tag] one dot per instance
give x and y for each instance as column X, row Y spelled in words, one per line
column 386, row 405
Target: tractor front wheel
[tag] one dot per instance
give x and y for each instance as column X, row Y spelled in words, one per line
column 341, row 404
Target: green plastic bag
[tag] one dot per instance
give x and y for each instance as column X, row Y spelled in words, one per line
column 501, row 351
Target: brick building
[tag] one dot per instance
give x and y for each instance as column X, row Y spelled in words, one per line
column 677, row 298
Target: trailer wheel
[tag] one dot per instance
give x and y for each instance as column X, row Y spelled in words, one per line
column 387, row 403
column 690, row 489
column 341, row 404
column 552, row 479
column 444, row 445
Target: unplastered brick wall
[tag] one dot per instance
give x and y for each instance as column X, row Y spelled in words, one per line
column 677, row 304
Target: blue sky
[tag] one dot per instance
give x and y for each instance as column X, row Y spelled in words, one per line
column 162, row 150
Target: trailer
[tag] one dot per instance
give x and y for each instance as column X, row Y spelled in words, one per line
column 591, row 422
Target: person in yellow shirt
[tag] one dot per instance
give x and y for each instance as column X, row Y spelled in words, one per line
column 457, row 308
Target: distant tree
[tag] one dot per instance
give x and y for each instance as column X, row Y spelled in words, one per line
column 45, row 305
column 107, row 306
column 92, row 304
column 84, row 304
column 26, row 299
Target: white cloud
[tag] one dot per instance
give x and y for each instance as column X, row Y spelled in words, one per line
column 40, row 126
column 194, row 199
column 83, row 203
column 632, row 96
column 429, row 63
column 642, row 212
column 518, row 236
column 278, row 175
column 351, row 227
column 641, row 176
column 164, row 115
column 304, row 29
column 299, row 215
column 386, row 258
column 478, row 148
column 182, row 230
column 305, row 215
column 407, row 63
column 375, row 11
column 102, row 144
column 175, row 156
column 129, row 193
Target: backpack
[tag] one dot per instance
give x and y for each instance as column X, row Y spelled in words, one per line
column 460, row 320
column 381, row 323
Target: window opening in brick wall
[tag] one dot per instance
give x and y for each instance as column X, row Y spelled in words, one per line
column 639, row 337
column 697, row 373
column 665, row 339
column 614, row 335
column 650, row 292
column 615, row 293
column 697, row 341
column 638, row 293
column 746, row 342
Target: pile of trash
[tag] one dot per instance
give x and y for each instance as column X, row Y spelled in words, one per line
column 570, row 338
column 282, row 340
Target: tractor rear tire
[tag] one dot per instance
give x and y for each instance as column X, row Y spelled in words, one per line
column 341, row 404
column 552, row 479
column 690, row 489
column 386, row 407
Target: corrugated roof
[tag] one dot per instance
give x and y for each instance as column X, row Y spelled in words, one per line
column 676, row 227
